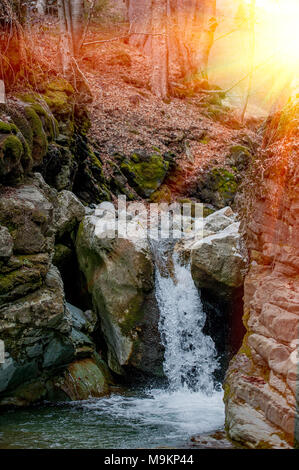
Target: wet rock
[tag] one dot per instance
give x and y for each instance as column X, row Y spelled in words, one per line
column 119, row 274
column 212, row 440
column 6, row 244
column 60, row 351
column 218, row 261
column 36, row 331
column 82, row 321
column 82, row 380
column 69, row 212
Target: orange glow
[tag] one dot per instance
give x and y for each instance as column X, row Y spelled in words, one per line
column 279, row 19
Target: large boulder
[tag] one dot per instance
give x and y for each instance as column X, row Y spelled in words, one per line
column 83, row 379
column 218, row 260
column 120, row 278
column 36, row 332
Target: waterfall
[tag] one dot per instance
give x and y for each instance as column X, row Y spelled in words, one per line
column 190, row 355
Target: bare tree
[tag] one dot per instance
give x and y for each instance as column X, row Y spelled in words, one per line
column 206, row 21
column 66, row 45
column 2, row 92
column 71, row 13
column 159, row 42
column 139, row 15
column 41, row 6
column 182, row 29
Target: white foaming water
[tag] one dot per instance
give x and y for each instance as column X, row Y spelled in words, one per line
column 190, row 404
column 190, row 355
column 141, row 418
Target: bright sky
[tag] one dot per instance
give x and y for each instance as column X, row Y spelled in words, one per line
column 281, row 19
column 276, row 46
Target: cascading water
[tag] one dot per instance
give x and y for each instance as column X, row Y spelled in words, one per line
column 141, row 418
column 190, row 356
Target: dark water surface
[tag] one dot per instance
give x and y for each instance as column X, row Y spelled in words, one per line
column 135, row 419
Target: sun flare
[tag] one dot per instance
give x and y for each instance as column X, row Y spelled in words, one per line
column 279, row 19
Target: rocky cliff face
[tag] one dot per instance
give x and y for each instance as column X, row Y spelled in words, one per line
column 50, row 352
column 42, row 335
column 261, row 388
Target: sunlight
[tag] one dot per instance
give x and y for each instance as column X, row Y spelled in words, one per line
column 279, row 19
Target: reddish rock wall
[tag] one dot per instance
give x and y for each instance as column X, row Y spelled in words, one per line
column 262, row 382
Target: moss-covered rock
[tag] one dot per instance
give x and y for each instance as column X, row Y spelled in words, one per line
column 239, row 158
column 27, row 278
column 82, row 380
column 163, row 194
column 12, row 153
column 145, row 172
column 119, row 274
column 218, row 186
column 90, row 184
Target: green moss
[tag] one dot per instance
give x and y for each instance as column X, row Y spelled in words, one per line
column 40, row 141
column 19, row 277
column 163, row 194
column 95, row 161
column 58, row 102
column 83, row 123
column 145, row 174
column 205, row 140
column 6, row 128
column 12, row 146
column 59, row 84
column 224, row 182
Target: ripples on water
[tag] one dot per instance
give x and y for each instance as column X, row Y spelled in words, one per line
column 143, row 419
column 140, row 418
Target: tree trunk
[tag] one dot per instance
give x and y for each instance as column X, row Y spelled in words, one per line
column 159, row 79
column 65, row 39
column 177, row 19
column 208, row 24
column 2, row 92
column 139, row 14
column 41, row 6
column 77, row 16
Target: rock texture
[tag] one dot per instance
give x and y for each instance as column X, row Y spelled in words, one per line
column 218, row 260
column 120, row 278
column 42, row 335
column 261, row 387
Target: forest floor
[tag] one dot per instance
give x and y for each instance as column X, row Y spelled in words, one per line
column 126, row 116
column 198, row 128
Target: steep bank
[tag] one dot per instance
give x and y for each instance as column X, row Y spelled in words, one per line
column 261, row 387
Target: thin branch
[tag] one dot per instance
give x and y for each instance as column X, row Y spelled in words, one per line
column 90, row 13
column 122, row 37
